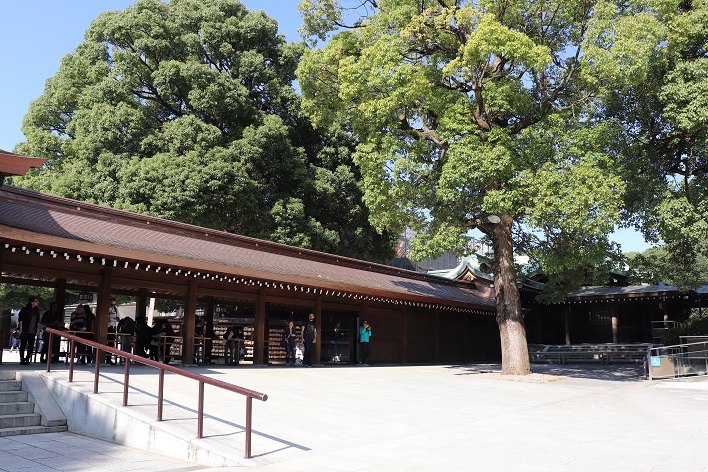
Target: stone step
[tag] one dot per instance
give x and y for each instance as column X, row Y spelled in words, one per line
column 32, row 430
column 16, row 408
column 7, row 375
column 10, row 385
column 20, row 420
column 12, row 397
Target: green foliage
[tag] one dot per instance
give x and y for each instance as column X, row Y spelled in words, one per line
column 464, row 109
column 186, row 110
column 15, row 296
column 681, row 263
column 663, row 114
column 695, row 325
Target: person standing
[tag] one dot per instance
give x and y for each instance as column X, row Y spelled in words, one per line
column 364, row 346
column 309, row 338
column 28, row 320
column 113, row 319
column 15, row 340
column 79, row 324
column 288, row 342
column 52, row 318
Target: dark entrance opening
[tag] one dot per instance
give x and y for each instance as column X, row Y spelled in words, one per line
column 338, row 338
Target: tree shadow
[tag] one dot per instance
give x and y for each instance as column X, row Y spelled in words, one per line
column 611, row 372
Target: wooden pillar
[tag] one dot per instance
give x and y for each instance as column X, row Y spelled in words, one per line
column 404, row 334
column 188, row 322
column 5, row 314
column 615, row 324
column 436, row 333
column 141, row 306
column 60, row 294
column 209, row 328
column 317, row 348
column 259, row 330
column 100, row 326
column 566, row 319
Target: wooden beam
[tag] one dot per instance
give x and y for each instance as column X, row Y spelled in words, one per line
column 47, row 271
column 229, row 294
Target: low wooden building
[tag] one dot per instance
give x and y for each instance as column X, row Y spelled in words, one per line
column 616, row 313
column 66, row 244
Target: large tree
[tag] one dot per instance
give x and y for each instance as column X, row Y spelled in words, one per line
column 664, row 120
column 186, row 110
column 477, row 114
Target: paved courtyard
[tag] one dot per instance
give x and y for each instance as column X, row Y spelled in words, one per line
column 422, row 418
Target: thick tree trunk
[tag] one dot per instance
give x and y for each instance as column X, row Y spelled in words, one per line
column 515, row 352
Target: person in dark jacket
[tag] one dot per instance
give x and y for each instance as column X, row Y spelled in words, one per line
column 143, row 340
column 52, row 318
column 309, row 338
column 289, row 341
column 79, row 323
column 28, row 321
column 164, row 328
column 233, row 343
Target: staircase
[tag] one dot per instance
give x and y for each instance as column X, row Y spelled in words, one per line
column 17, row 412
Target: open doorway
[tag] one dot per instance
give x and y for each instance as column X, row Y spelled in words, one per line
column 338, row 338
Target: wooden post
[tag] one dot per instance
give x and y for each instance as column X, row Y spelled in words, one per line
column 188, row 322
column 209, row 328
column 100, row 326
column 60, row 295
column 615, row 324
column 566, row 320
column 259, row 330
column 436, row 333
column 404, row 334
column 317, row 351
column 141, row 306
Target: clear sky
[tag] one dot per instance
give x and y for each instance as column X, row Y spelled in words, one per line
column 36, row 34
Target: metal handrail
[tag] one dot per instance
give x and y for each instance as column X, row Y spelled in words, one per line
column 679, row 354
column 202, row 379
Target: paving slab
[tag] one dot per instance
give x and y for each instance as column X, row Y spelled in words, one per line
column 599, row 418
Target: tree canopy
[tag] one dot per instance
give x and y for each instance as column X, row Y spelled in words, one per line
column 664, row 123
column 186, row 110
column 484, row 114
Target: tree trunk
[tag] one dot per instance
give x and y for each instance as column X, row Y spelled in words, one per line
column 515, row 351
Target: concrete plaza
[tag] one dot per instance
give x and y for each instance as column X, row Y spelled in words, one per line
column 418, row 418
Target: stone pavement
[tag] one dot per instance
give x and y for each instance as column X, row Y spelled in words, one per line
column 418, row 418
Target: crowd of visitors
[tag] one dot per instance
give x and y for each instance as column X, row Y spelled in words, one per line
column 155, row 342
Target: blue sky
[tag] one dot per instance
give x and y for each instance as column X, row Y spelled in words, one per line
column 36, row 34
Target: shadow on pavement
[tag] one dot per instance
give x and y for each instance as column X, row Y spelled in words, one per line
column 611, row 372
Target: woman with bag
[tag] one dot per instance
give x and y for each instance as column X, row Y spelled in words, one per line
column 288, row 342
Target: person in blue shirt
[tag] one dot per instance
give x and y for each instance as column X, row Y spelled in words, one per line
column 364, row 346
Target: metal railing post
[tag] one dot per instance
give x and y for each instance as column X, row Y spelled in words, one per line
column 160, row 390
column 49, row 353
column 200, row 412
column 249, row 411
column 71, row 360
column 126, row 379
column 97, row 366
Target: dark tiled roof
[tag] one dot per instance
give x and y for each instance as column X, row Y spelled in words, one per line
column 629, row 290
column 234, row 255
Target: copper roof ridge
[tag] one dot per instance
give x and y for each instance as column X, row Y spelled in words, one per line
column 240, row 240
